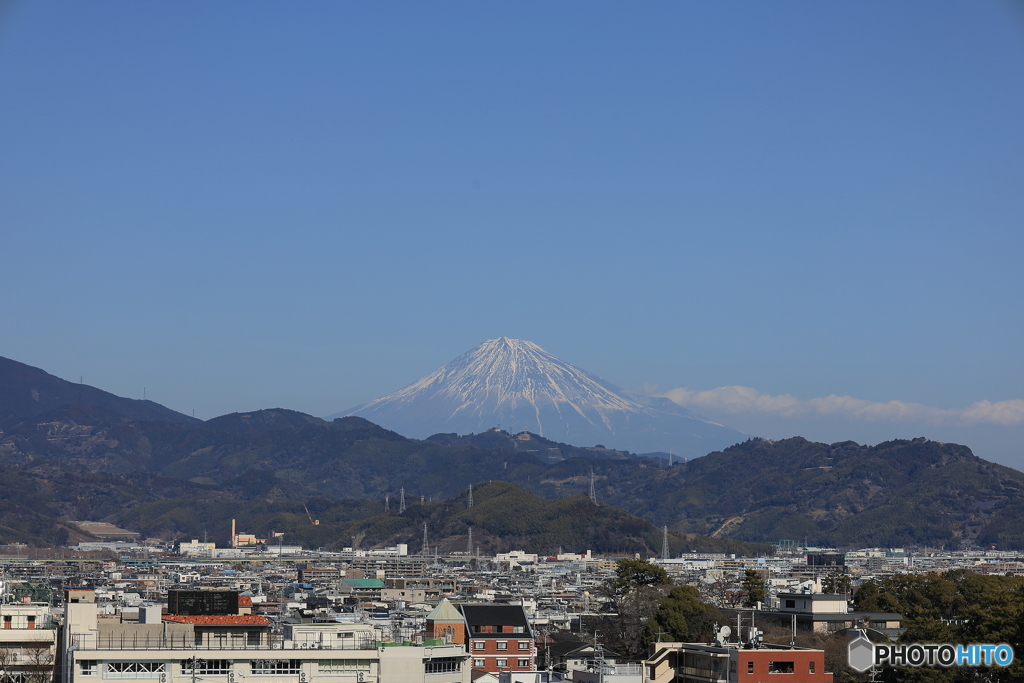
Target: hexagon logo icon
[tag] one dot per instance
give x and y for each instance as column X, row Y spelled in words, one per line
column 860, row 653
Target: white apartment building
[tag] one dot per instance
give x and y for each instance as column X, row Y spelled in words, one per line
column 242, row 649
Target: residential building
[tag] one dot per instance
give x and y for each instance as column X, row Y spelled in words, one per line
column 500, row 638
column 28, row 643
column 730, row 663
column 231, row 648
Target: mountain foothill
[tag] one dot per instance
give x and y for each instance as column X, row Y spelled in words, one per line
column 73, row 452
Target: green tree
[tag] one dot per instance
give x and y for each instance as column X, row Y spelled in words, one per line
column 682, row 617
column 753, row 583
column 632, row 575
column 836, row 581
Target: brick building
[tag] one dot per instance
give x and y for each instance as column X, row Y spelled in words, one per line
column 500, row 638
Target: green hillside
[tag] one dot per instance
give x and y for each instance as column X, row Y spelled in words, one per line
column 172, row 476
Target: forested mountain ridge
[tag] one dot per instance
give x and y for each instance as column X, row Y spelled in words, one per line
column 90, row 462
column 26, row 391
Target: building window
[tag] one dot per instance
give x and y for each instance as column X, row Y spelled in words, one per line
column 750, row 667
column 133, row 670
column 790, row 604
column 810, row 667
column 206, row 667
column 478, row 645
column 524, row 645
column 524, row 663
column 443, row 665
column 780, row 667
column 502, row 663
column 479, row 663
column 518, row 629
column 87, row 667
column 502, row 644
column 342, row 667
column 276, row 667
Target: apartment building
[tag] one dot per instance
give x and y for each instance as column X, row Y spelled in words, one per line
column 233, row 648
column 730, row 663
column 28, row 643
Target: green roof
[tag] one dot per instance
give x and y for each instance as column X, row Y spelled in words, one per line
column 365, row 583
column 445, row 612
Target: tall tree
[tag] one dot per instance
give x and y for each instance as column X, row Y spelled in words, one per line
column 753, row 584
column 682, row 617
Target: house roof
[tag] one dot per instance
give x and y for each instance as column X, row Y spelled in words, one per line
column 218, row 619
column 495, row 615
column 244, row 601
column 445, row 611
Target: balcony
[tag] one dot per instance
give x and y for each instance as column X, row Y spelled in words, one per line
column 187, row 641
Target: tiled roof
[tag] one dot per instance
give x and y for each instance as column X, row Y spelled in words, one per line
column 445, row 612
column 218, row 619
column 244, row 601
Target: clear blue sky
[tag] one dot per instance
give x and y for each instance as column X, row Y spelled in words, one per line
column 309, row 205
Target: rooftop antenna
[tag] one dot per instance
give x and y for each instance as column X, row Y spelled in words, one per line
column 664, row 542
column 387, row 502
column 401, row 501
column 593, row 490
column 469, row 502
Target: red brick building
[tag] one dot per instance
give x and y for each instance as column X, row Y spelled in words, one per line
column 692, row 662
column 500, row 638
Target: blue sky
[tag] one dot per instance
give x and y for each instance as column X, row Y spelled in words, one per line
column 245, row 206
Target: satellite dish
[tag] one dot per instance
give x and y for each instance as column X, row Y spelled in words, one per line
column 725, row 632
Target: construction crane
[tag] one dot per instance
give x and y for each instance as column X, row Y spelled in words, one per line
column 314, row 523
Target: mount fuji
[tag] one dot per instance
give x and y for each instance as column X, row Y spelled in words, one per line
column 512, row 381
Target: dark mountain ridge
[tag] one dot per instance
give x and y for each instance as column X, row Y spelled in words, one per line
column 26, row 391
column 87, row 462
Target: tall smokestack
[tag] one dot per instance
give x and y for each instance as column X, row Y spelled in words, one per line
column 234, row 536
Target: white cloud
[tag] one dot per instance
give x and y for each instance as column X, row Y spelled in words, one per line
column 732, row 400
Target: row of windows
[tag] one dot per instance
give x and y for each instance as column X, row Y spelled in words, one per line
column 781, row 667
column 501, row 644
column 500, row 663
column 443, row 665
column 222, row 667
column 478, row 628
column 131, row 669
column 343, row 666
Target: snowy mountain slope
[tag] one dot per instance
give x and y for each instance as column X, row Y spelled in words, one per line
column 514, row 382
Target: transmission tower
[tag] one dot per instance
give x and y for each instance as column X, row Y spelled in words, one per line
column 401, row 501
column 593, row 489
column 469, row 501
column 425, row 547
column 387, row 502
column 664, row 542
column 469, row 542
